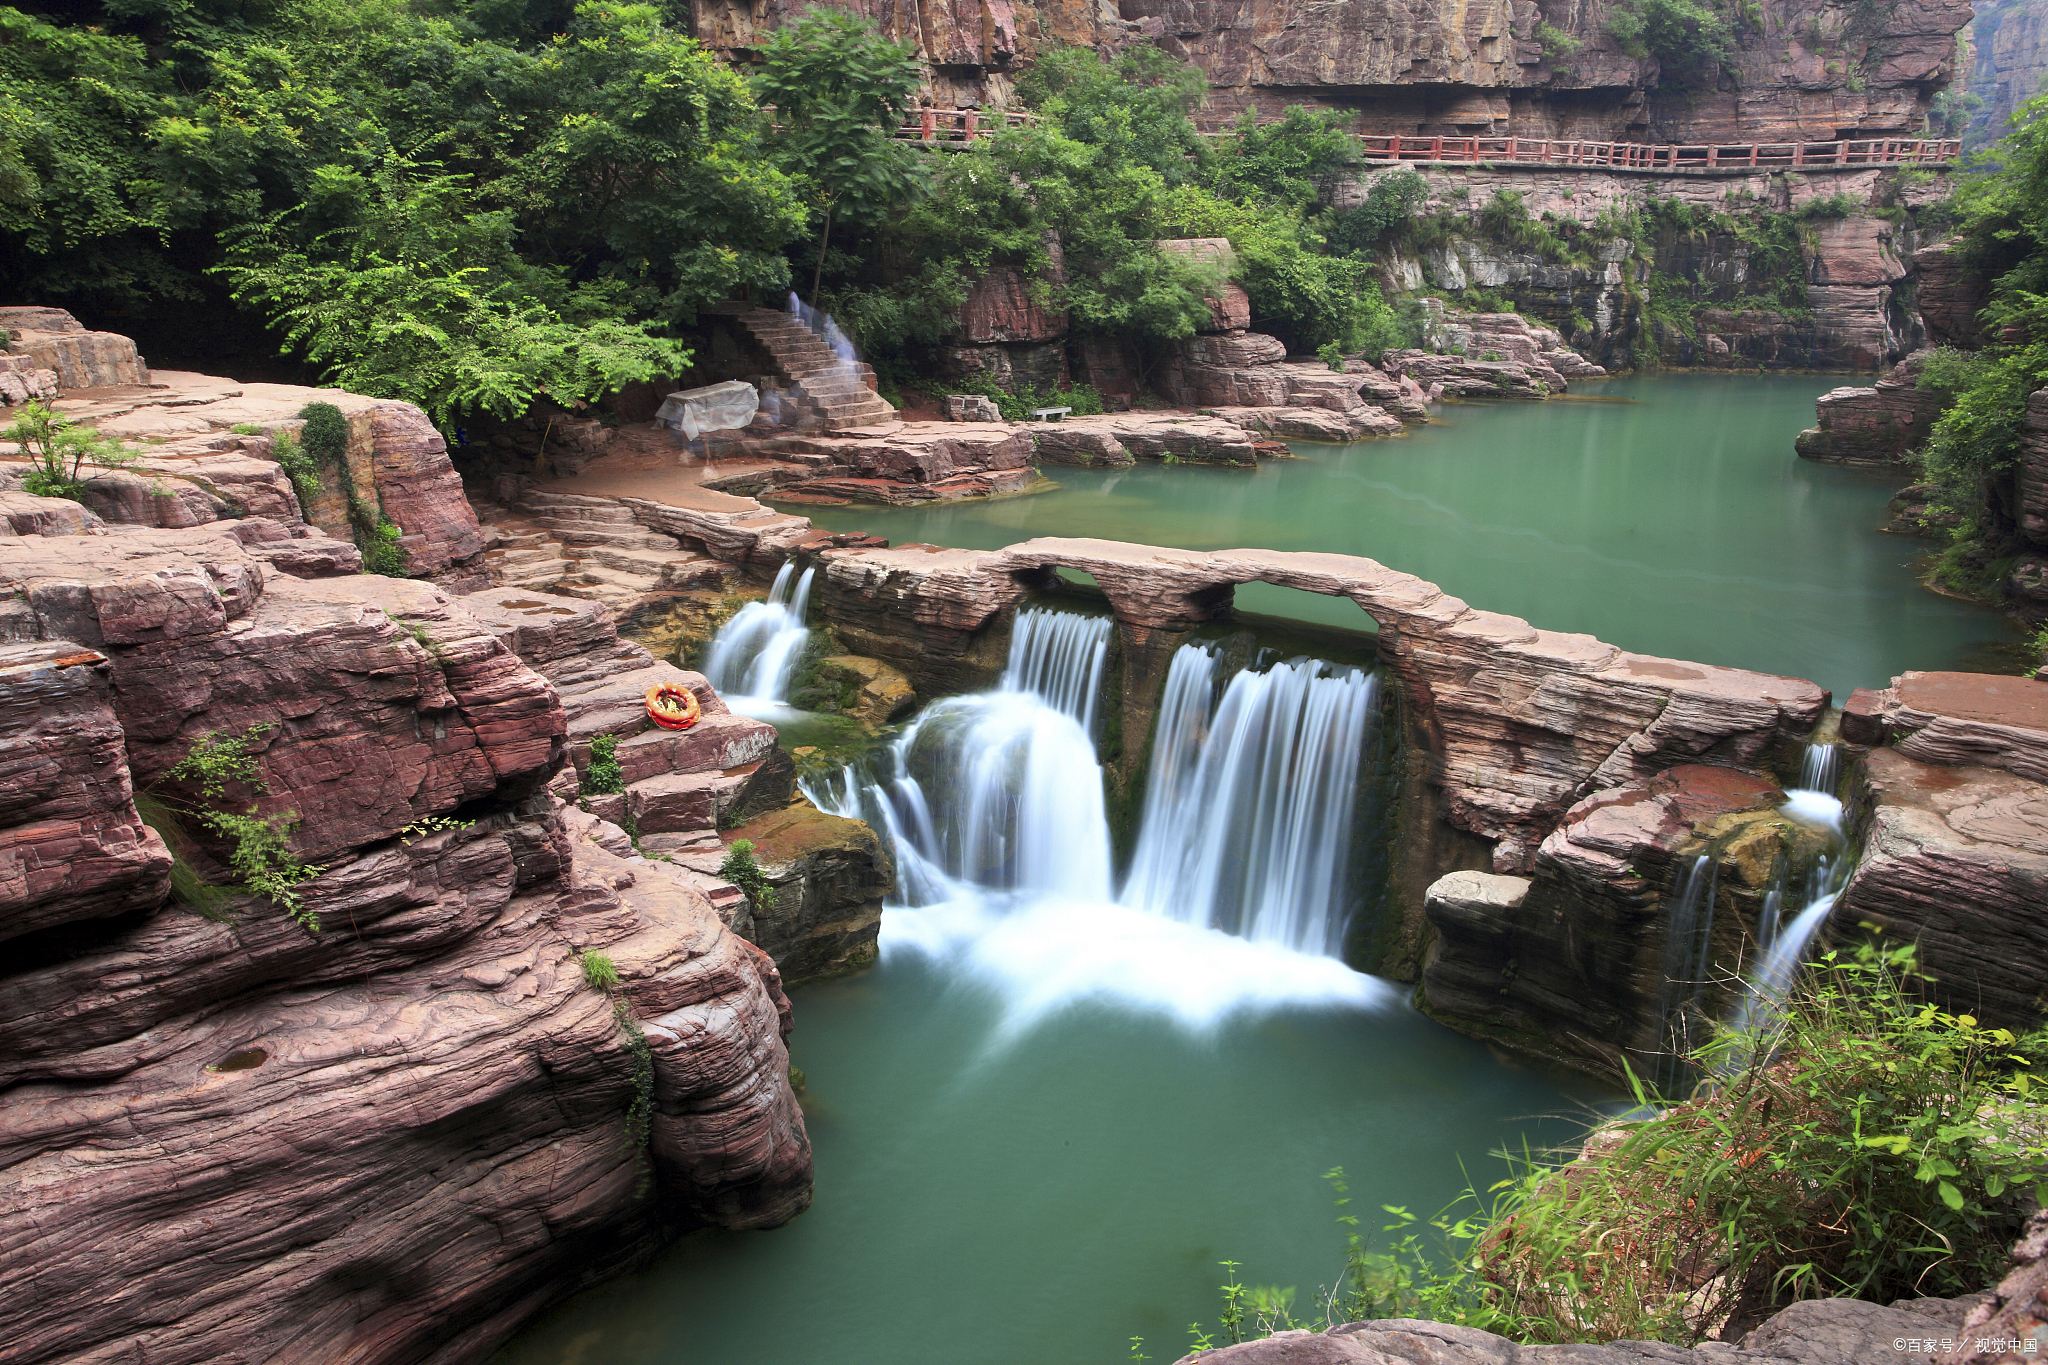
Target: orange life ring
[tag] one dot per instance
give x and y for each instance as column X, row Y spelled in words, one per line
column 672, row 707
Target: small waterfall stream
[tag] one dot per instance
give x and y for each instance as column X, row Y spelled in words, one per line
column 1247, row 818
column 993, row 805
column 754, row 655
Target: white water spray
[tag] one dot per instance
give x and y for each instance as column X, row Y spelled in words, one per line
column 993, row 807
column 822, row 323
column 754, row 655
column 1247, row 819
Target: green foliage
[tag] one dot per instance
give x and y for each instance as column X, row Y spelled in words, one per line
column 1506, row 219
column 432, row 824
column 1331, row 354
column 1383, row 218
column 246, row 429
column 59, row 450
column 1084, row 399
column 1838, row 205
column 259, row 853
column 602, row 777
column 1559, row 47
column 742, row 871
column 323, row 444
column 1859, row 1142
column 840, row 90
column 599, row 972
column 1686, row 37
column 1294, row 162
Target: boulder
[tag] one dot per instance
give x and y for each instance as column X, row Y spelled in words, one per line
column 1877, row 426
column 53, row 340
column 71, row 843
column 868, row 690
column 1949, row 295
column 1000, row 308
column 1955, row 859
column 1951, row 719
column 968, row 407
column 2017, row 1310
column 828, row 876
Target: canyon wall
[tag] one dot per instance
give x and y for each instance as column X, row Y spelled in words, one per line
column 1801, row 70
column 2009, row 44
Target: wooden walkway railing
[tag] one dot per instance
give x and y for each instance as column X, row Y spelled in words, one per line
column 954, row 128
column 1639, row 156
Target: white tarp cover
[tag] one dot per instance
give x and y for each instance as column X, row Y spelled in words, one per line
column 715, row 407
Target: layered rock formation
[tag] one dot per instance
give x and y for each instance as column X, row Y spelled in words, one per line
column 1877, row 427
column 1802, row 70
column 1517, row 723
column 400, row 1136
column 1246, row 378
column 2009, row 39
column 51, row 339
column 1588, row 962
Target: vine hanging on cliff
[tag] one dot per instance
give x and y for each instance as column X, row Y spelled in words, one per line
column 260, row 851
column 602, row 976
column 324, row 441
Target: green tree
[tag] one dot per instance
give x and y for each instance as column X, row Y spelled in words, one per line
column 840, row 90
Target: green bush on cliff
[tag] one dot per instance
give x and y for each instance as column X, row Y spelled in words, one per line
column 1863, row 1142
column 1687, row 38
column 602, row 777
column 742, row 871
column 59, row 451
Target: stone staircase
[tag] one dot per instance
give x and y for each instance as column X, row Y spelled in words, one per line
column 589, row 548
column 830, row 393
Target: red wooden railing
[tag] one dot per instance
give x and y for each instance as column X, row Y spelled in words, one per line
column 1640, row 156
column 957, row 127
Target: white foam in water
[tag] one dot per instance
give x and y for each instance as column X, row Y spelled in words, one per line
column 1815, row 809
column 1041, row 956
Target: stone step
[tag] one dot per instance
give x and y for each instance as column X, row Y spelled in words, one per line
column 651, row 565
column 526, row 555
column 609, row 515
column 571, row 533
column 536, row 498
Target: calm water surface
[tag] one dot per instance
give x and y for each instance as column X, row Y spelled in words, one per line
column 1666, row 515
column 994, row 1196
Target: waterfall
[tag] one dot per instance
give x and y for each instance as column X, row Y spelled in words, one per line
column 1058, row 657
column 754, row 654
column 993, row 808
column 1248, row 812
column 1770, row 984
column 1688, row 953
column 822, row 323
column 1820, row 769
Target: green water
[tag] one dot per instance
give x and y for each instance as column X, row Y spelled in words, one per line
column 1665, row 515
column 1041, row 1203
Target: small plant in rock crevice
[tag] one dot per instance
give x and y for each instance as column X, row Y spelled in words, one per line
column 260, row 852
column 601, row 974
column 602, row 777
column 324, row 439
column 742, row 871
column 59, row 451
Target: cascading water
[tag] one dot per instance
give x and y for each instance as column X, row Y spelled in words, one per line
column 1058, row 657
column 754, row 655
column 1247, row 818
column 993, row 806
column 822, row 323
column 1688, row 951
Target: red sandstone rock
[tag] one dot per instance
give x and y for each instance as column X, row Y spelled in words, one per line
column 1949, row 296
column 1876, row 426
column 1990, row 719
column 71, row 844
column 2017, row 1311
column 1863, row 718
column 53, row 340
column 1000, row 308
column 1956, row 860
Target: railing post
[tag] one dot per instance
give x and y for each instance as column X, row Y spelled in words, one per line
column 1842, row 152
column 1436, row 148
column 927, row 124
column 1511, row 147
column 972, row 125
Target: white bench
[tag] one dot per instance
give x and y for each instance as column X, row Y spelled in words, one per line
column 1050, row 414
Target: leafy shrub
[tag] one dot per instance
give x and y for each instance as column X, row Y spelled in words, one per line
column 1858, row 1141
column 602, row 777
column 1331, row 354
column 59, row 450
column 1383, row 218
column 742, row 871
column 298, row 467
column 1559, row 47
column 1683, row 35
column 324, row 441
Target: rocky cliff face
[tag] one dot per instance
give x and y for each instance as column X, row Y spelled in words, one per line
column 398, row 1137
column 1809, row 70
column 2009, row 40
